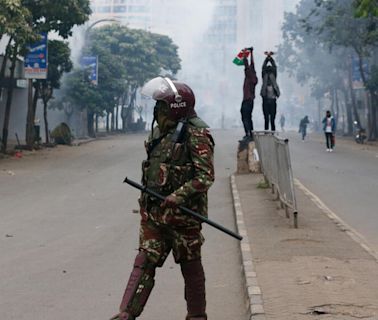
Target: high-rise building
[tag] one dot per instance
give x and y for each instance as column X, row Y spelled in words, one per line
column 266, row 21
column 137, row 13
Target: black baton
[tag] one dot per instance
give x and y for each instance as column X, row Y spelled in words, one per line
column 186, row 210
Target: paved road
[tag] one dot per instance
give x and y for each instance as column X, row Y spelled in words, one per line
column 68, row 236
column 345, row 180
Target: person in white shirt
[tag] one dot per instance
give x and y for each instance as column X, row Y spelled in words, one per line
column 329, row 127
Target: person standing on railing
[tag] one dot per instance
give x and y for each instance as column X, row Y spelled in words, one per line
column 269, row 91
column 329, row 128
column 250, row 82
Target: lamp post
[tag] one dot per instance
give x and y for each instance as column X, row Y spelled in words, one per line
column 86, row 33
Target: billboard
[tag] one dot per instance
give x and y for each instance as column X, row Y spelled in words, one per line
column 36, row 62
column 91, row 63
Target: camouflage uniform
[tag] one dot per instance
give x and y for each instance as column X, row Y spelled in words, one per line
column 186, row 171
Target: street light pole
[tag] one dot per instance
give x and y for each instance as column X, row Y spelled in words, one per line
column 97, row 22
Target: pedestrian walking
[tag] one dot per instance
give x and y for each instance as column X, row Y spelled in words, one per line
column 250, row 82
column 282, row 122
column 329, row 128
column 303, row 127
column 179, row 166
column 269, row 91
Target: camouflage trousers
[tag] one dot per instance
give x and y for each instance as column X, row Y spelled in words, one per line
column 158, row 240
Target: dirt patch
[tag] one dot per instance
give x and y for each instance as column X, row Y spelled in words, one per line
column 350, row 310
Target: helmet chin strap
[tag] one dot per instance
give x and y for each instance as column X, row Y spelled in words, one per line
column 178, row 97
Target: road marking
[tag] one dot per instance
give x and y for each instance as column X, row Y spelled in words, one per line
column 342, row 225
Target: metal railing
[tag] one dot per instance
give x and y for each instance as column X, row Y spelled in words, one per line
column 275, row 163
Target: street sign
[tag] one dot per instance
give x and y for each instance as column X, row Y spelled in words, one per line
column 36, row 60
column 91, row 63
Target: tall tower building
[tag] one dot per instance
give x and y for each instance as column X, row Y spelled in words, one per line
column 137, row 13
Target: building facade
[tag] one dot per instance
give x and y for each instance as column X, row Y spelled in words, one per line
column 135, row 12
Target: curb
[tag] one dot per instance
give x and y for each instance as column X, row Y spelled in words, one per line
column 254, row 299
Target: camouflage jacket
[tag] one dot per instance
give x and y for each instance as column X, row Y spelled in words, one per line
column 183, row 168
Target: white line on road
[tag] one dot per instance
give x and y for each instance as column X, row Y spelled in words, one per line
column 356, row 236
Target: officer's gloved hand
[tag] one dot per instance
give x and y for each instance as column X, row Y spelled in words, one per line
column 170, row 202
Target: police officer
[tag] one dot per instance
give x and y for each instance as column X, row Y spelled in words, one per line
column 179, row 166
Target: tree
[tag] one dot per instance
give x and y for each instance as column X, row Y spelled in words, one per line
column 60, row 17
column 127, row 59
column 59, row 62
column 335, row 31
column 364, row 8
column 318, row 46
column 304, row 55
column 15, row 23
column 80, row 92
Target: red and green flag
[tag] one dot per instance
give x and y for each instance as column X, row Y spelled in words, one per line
column 239, row 58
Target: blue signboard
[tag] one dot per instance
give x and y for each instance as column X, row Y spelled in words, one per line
column 36, row 60
column 91, row 63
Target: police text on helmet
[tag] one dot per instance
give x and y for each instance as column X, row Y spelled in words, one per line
column 178, row 105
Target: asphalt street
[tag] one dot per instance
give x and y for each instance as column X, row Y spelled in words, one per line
column 346, row 180
column 68, row 232
column 68, row 235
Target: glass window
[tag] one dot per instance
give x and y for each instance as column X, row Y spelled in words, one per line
column 119, row 9
column 137, row 9
column 104, row 9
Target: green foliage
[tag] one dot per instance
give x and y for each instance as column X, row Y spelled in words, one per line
column 263, row 184
column 79, row 91
column 62, row 134
column 318, row 42
column 365, row 8
column 15, row 21
column 305, row 55
column 127, row 59
column 57, row 15
column 59, row 62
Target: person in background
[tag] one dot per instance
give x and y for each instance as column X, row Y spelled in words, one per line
column 329, row 127
column 303, row 127
column 250, row 82
column 269, row 91
column 282, row 122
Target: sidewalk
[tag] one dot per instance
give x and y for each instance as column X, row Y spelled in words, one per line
column 317, row 271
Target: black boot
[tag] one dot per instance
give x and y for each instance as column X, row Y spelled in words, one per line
column 195, row 295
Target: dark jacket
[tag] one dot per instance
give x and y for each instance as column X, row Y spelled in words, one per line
column 250, row 80
column 333, row 124
column 303, row 124
column 269, row 87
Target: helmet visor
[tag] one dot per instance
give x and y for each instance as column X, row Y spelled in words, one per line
column 160, row 88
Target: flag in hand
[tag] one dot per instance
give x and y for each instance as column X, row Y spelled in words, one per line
column 239, row 58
